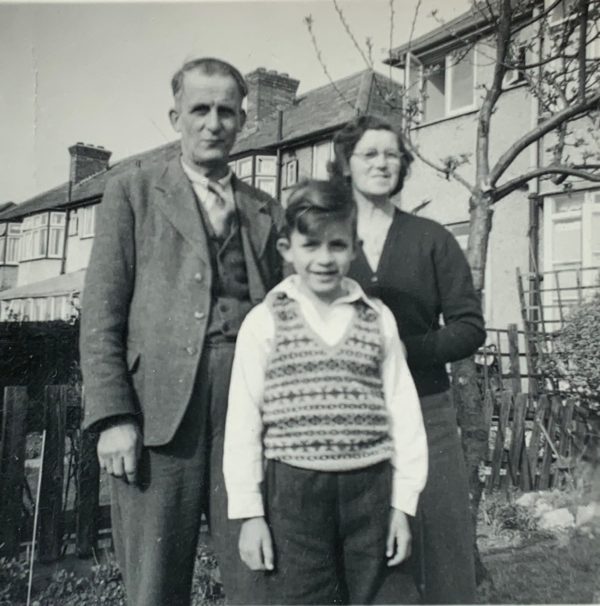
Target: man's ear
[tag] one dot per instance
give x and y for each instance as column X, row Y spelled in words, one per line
column 174, row 119
column 243, row 118
column 283, row 247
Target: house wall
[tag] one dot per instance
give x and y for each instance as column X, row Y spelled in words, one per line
column 37, row 270
column 8, row 276
column 449, row 201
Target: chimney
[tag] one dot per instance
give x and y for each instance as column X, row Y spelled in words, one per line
column 87, row 160
column 268, row 91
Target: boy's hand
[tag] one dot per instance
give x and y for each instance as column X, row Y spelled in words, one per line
column 256, row 546
column 398, row 539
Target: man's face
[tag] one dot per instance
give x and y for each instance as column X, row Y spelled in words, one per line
column 209, row 116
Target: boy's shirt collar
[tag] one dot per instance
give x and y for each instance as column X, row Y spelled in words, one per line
column 291, row 287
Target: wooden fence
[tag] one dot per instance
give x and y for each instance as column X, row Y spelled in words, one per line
column 535, row 442
column 70, row 475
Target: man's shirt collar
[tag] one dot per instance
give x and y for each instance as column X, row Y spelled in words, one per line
column 197, row 179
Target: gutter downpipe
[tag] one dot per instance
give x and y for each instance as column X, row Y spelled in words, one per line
column 63, row 261
column 278, row 179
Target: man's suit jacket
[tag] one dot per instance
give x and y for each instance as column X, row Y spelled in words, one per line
column 147, row 294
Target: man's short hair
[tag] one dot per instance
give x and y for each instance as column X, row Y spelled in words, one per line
column 209, row 66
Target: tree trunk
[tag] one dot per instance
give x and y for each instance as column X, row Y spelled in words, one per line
column 473, row 418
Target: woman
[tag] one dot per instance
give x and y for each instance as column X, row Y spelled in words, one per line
column 416, row 267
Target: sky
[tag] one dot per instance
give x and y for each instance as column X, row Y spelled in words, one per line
column 99, row 73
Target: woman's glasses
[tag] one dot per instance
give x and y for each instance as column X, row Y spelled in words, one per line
column 370, row 156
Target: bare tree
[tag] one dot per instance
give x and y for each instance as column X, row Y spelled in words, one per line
column 558, row 60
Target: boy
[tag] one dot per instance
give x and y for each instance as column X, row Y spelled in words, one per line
column 320, row 390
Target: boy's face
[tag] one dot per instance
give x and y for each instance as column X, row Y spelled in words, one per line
column 321, row 259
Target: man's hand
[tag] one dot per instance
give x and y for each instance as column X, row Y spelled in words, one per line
column 119, row 448
column 256, row 545
column 398, row 539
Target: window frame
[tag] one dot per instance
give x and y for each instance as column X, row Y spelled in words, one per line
column 88, row 226
column 448, row 70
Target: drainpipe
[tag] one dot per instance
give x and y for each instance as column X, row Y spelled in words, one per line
column 63, row 261
column 278, row 162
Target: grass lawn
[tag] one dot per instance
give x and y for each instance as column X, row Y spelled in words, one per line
column 545, row 573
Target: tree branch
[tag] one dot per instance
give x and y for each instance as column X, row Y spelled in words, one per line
column 438, row 167
column 343, row 21
column 493, row 93
column 309, row 25
column 518, row 182
column 568, row 113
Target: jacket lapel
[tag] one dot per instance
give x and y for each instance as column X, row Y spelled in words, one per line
column 255, row 227
column 178, row 202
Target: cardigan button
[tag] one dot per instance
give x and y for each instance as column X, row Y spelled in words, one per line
column 199, row 315
column 191, row 350
column 198, row 277
column 374, row 279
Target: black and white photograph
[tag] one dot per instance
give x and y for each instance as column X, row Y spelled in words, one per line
column 299, row 302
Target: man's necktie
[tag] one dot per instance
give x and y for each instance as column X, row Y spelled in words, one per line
column 217, row 206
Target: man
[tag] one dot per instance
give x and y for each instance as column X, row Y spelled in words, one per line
column 182, row 251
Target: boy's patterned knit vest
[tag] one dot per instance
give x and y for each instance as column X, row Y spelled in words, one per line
column 323, row 405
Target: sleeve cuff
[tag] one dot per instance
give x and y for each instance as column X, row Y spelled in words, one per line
column 245, row 505
column 405, row 498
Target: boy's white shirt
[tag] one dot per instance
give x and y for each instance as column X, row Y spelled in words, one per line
column 243, row 451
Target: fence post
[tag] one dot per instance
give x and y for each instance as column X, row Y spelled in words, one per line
column 51, row 510
column 514, row 361
column 12, row 467
column 517, row 440
column 497, row 455
column 88, row 493
column 548, row 451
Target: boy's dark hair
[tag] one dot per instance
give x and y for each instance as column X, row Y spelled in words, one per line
column 313, row 203
column 346, row 139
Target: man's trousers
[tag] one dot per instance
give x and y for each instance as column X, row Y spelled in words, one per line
column 156, row 522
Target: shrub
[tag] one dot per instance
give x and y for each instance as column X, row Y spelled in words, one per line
column 572, row 358
column 104, row 587
column 13, row 581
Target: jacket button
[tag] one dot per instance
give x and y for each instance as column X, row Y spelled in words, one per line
column 198, row 277
column 191, row 350
column 199, row 315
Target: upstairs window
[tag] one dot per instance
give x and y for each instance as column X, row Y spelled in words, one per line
column 447, row 84
column 87, row 218
column 564, row 10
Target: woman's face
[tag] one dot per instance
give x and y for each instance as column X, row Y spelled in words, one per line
column 375, row 164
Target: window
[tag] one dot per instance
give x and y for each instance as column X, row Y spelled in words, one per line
column 266, row 184
column 88, row 221
column 448, row 84
column 244, row 168
column 564, row 10
column 266, row 165
column 571, row 248
column 322, row 154
column 514, row 76
column 56, row 235
column 42, row 236
column 73, row 223
column 291, row 173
